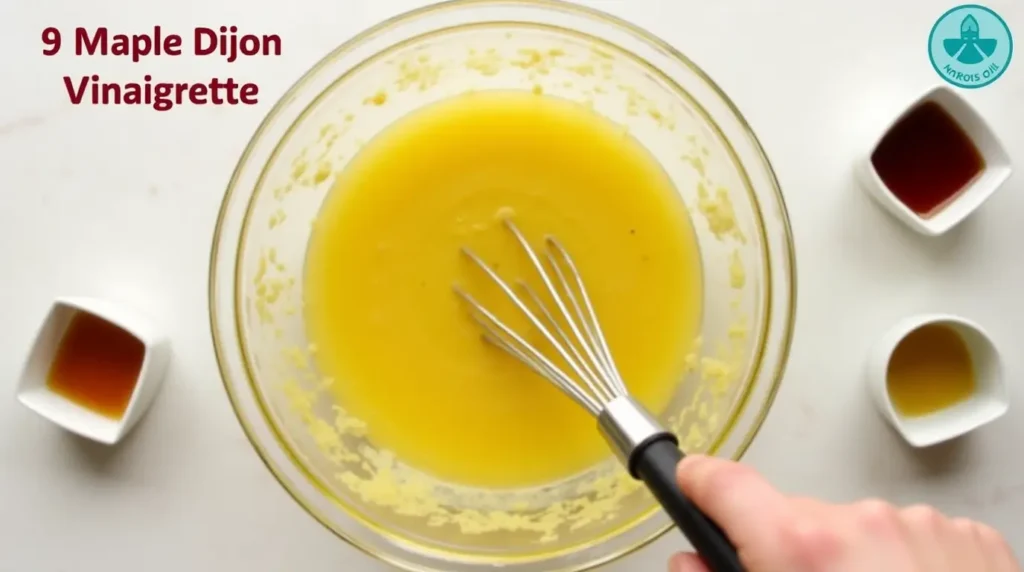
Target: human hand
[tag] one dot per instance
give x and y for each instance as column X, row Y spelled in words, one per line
column 777, row 533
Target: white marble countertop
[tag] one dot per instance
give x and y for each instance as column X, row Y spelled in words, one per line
column 120, row 202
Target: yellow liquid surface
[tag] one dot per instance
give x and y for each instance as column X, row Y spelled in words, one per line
column 385, row 252
column 930, row 370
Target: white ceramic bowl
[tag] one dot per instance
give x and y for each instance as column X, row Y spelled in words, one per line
column 34, row 393
column 989, row 401
column 995, row 172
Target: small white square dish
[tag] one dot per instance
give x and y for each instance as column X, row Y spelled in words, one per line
column 935, row 153
column 940, row 414
column 94, row 368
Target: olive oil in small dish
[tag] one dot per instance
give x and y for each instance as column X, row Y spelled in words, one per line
column 931, row 369
column 936, row 377
column 94, row 368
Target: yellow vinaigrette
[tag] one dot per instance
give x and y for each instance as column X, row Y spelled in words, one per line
column 385, row 252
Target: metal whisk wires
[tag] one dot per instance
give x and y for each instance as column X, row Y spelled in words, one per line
column 583, row 348
column 644, row 447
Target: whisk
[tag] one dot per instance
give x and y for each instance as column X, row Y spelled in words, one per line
column 648, row 451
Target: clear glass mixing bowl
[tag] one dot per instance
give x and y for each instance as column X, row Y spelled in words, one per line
column 319, row 453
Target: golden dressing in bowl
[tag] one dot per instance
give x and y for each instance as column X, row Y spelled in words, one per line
column 384, row 253
column 332, row 439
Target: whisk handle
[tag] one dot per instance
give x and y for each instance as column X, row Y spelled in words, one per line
column 655, row 464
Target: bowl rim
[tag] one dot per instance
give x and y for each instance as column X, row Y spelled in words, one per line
column 789, row 259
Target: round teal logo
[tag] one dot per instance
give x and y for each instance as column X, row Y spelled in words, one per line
column 970, row 46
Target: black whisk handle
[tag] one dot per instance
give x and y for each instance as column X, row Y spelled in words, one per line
column 655, row 463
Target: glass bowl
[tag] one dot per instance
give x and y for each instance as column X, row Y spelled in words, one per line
column 319, row 452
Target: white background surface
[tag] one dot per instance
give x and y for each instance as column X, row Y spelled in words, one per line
column 121, row 202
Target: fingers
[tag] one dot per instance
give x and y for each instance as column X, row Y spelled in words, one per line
column 991, row 544
column 813, row 508
column 926, row 529
column 770, row 531
column 940, row 543
column 745, row 505
column 774, row 532
column 687, row 562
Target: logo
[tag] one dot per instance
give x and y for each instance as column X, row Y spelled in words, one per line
column 970, row 46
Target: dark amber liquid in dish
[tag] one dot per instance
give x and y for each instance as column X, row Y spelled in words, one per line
column 97, row 365
column 926, row 159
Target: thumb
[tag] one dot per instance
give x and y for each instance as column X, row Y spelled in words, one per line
column 686, row 562
column 747, row 508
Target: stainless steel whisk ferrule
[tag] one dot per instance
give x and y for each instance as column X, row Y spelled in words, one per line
column 590, row 378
